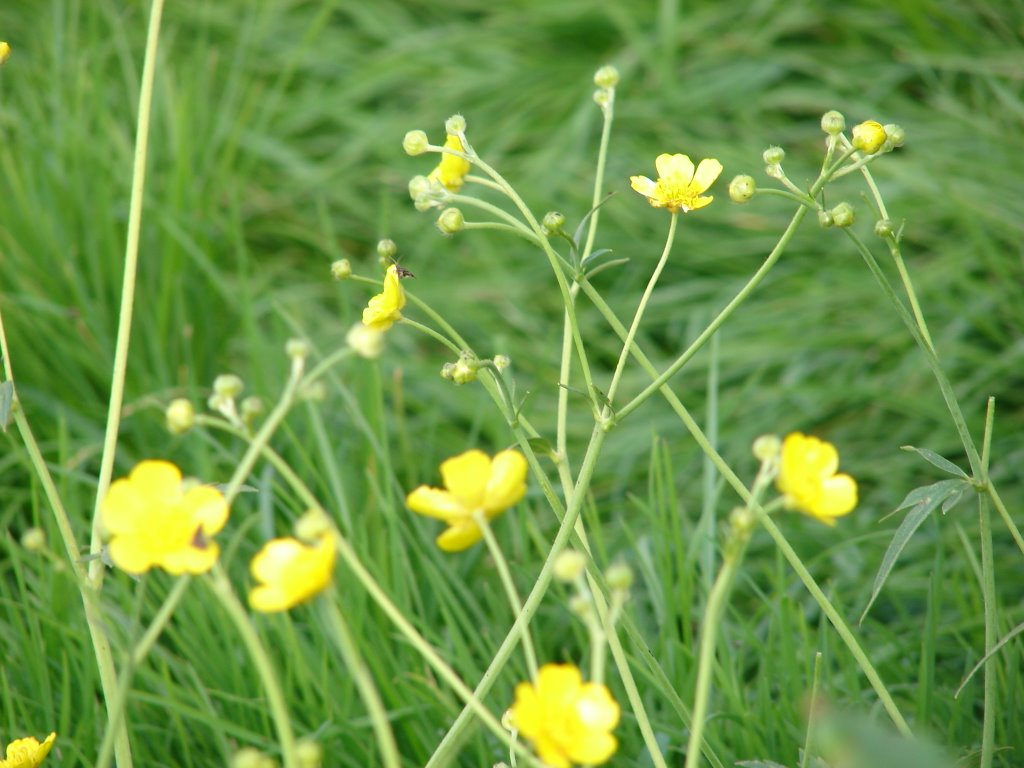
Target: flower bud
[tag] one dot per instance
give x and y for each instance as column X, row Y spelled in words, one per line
column 767, row 447
column 833, row 123
column 5, row 51
column 448, row 371
column 312, row 525
column 365, row 341
column 773, row 155
column 315, row 392
column 508, row 720
column 742, row 188
column 415, row 143
column 419, row 186
column 180, row 416
column 569, row 565
column 602, row 97
column 774, row 171
column 553, row 222
column 424, row 203
column 741, row 523
column 868, row 136
column 34, row 539
column 228, row 385
column 842, row 215
column 894, row 135
column 386, row 249
column 464, row 371
column 297, row 349
column 581, row 606
column 309, row 754
column 606, row 77
column 341, row 269
column 450, row 221
column 248, row 757
column 883, row 228
column 251, row 408
column 825, row 219
column 455, row 124
column 501, row 362
column 619, row 577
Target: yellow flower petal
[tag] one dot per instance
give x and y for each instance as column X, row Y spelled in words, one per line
column 679, row 184
column 643, row 185
column 507, row 483
column 808, row 480
column 384, row 309
column 461, row 535
column 291, row 572
column 678, row 168
column 706, row 173
column 27, row 752
column 451, row 171
column 466, row 476
column 436, row 503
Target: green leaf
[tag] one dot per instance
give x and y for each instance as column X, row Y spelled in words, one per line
column 541, row 447
column 937, row 461
column 6, row 400
column 921, row 502
column 759, row 764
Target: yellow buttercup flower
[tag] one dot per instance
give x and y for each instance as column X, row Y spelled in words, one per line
column 27, row 752
column 386, row 307
column 155, row 520
column 679, row 186
column 808, row 480
column 5, row 51
column 451, row 171
column 473, row 483
column 567, row 720
column 291, row 572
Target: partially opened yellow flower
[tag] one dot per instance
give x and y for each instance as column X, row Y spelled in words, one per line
column 291, row 572
column 27, row 752
column 473, row 483
column 156, row 520
column 567, row 720
column 451, row 171
column 808, row 480
column 679, row 186
column 386, row 307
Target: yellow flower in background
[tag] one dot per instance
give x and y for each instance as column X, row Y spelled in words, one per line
column 27, row 752
column 291, row 572
column 567, row 720
column 5, row 51
column 473, row 482
column 679, row 186
column 808, row 480
column 386, row 307
column 452, row 170
column 155, row 520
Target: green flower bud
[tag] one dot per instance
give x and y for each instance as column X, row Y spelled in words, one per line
column 297, row 349
column 415, row 143
column 309, row 754
column 569, row 566
column 419, row 186
column 228, row 385
column 501, row 362
column 455, row 124
column 619, row 577
column 425, row 203
column 741, row 523
column 386, row 248
column 833, row 123
column 602, row 97
column 251, row 408
column 365, row 341
column 315, row 392
column 883, row 228
column 774, row 155
column 341, row 269
column 34, row 539
column 606, row 77
column 825, row 219
column 247, row 757
column 894, row 135
column 774, row 171
column 842, row 215
column 552, row 223
column 312, row 525
column 767, row 447
column 742, row 188
column 180, row 416
column 464, row 371
column 868, row 136
column 508, row 722
column 450, row 221
column 581, row 606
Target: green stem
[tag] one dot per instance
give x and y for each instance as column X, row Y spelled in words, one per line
column 812, row 712
column 511, row 592
column 988, row 592
column 225, row 593
column 607, row 112
column 357, row 668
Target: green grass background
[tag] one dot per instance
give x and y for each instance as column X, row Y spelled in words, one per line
column 276, row 149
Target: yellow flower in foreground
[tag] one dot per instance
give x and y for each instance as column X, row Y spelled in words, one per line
column 473, row 482
column 155, row 520
column 808, row 480
column 386, row 307
column 27, row 752
column 452, row 170
column 679, row 186
column 291, row 572
column 567, row 720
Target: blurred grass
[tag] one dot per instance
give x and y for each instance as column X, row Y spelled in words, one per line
column 276, row 149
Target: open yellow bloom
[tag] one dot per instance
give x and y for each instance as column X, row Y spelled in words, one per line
column 386, row 307
column 154, row 520
column 808, row 480
column 679, row 186
column 291, row 572
column 567, row 720
column 452, row 169
column 27, row 752
column 473, row 483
